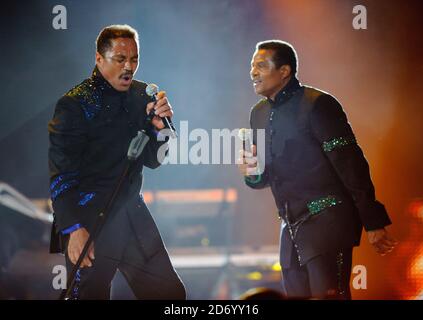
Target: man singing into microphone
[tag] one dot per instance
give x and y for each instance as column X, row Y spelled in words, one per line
column 90, row 133
column 318, row 175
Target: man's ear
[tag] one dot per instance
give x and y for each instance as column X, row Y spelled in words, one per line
column 285, row 71
column 98, row 58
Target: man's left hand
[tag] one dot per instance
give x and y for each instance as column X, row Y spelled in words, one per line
column 381, row 241
column 162, row 108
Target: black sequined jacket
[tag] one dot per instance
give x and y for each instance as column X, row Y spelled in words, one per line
column 317, row 172
column 89, row 134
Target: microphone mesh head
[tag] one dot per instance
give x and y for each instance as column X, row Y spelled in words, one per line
column 242, row 134
column 152, row 89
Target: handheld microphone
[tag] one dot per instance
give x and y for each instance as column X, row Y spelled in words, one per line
column 245, row 136
column 152, row 90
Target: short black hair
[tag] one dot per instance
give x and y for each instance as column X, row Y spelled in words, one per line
column 103, row 42
column 284, row 53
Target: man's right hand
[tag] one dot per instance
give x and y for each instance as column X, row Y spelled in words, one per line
column 247, row 162
column 77, row 241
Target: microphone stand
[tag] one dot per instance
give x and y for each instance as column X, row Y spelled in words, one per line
column 135, row 149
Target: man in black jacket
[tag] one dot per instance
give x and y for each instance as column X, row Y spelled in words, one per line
column 90, row 133
column 318, row 175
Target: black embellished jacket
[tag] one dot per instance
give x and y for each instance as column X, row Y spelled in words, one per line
column 317, row 172
column 92, row 127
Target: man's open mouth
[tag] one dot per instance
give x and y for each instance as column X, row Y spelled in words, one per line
column 256, row 82
column 126, row 79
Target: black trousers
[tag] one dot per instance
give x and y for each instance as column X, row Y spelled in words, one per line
column 326, row 276
column 152, row 278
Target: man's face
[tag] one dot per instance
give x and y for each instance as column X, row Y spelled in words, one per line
column 119, row 63
column 267, row 79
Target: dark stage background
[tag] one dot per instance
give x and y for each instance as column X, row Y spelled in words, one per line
column 200, row 52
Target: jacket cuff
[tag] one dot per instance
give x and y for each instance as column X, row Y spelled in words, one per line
column 159, row 135
column 65, row 210
column 253, row 179
column 71, row 229
column 377, row 217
